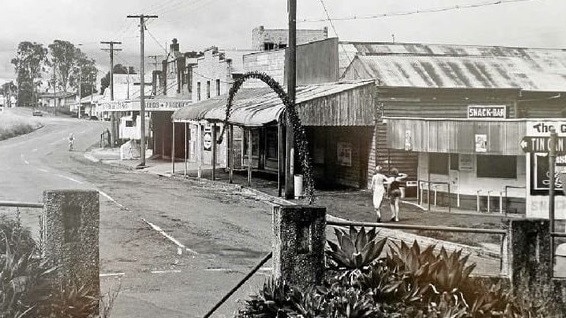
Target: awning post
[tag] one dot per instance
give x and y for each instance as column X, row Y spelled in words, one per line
column 186, row 155
column 231, row 153
column 249, row 157
column 172, row 150
column 213, row 151
column 199, row 152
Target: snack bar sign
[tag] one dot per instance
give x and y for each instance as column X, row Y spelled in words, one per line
column 487, row 111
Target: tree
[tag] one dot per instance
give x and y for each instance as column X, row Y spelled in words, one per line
column 86, row 74
column 118, row 69
column 8, row 90
column 29, row 63
column 73, row 69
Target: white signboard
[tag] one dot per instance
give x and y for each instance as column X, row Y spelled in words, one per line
column 541, row 128
column 150, row 105
column 487, row 111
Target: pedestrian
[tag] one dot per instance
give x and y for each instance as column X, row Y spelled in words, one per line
column 394, row 192
column 71, row 141
column 378, row 186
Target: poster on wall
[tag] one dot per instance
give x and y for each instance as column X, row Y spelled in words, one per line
column 481, row 143
column 408, row 140
column 344, row 152
column 466, row 162
column 540, row 175
column 207, row 139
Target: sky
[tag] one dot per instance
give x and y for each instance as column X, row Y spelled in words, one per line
column 227, row 24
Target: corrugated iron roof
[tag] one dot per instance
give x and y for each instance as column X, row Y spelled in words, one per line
column 459, row 66
column 257, row 106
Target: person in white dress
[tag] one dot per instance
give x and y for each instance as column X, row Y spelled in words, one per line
column 377, row 184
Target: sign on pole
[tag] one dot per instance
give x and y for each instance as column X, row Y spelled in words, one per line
column 542, row 144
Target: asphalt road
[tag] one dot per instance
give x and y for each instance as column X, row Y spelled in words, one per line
column 220, row 235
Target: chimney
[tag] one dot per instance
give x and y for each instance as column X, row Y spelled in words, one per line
column 174, row 47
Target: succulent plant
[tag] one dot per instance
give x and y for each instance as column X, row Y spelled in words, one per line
column 355, row 249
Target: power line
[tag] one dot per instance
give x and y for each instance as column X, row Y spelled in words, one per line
column 405, row 13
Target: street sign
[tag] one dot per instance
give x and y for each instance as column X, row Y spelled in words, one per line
column 542, row 144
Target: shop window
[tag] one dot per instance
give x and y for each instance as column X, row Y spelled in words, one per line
column 129, row 123
column 454, row 161
column 207, row 89
column 272, row 144
column 255, row 142
column 497, row 167
column 198, row 91
column 217, row 87
column 438, row 163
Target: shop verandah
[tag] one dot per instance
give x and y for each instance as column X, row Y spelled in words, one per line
column 338, row 120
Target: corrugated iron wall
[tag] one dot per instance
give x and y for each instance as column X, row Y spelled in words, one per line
column 350, row 108
column 455, row 136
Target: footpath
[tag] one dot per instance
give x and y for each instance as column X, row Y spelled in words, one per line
column 343, row 204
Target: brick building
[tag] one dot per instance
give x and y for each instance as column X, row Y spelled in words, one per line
column 272, row 39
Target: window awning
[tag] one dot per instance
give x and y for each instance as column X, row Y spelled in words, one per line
column 341, row 103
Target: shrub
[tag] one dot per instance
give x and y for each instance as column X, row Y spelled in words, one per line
column 26, row 281
column 407, row 282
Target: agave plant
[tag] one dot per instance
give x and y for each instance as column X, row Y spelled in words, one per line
column 355, row 250
column 275, row 299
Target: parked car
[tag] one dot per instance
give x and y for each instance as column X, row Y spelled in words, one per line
column 37, row 113
column 85, row 116
column 93, row 118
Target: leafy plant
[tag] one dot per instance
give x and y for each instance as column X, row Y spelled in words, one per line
column 275, row 299
column 355, row 249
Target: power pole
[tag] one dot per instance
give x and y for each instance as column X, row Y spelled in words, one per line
column 112, row 114
column 291, row 83
column 142, row 18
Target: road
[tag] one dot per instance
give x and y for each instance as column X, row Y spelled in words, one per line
column 222, row 234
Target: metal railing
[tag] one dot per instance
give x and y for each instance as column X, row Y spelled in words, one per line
column 501, row 232
column 17, row 204
column 240, row 283
column 434, row 185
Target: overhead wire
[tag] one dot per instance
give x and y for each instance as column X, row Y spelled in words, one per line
column 406, row 13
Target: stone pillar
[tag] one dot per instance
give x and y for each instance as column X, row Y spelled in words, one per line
column 529, row 253
column 71, row 223
column 298, row 244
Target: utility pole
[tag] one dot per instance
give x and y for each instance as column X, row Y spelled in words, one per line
column 291, row 83
column 142, row 18
column 551, row 188
column 112, row 114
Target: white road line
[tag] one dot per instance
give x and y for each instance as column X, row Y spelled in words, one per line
column 219, row 269
column 166, row 271
column 111, row 274
column 42, row 170
column 169, row 237
column 91, row 157
column 110, row 198
column 69, row 178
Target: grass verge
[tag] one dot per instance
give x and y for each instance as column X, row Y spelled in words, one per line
column 13, row 125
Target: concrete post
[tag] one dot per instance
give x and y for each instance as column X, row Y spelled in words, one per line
column 298, row 244
column 71, row 221
column 529, row 253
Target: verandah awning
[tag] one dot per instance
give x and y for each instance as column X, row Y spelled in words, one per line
column 341, row 103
